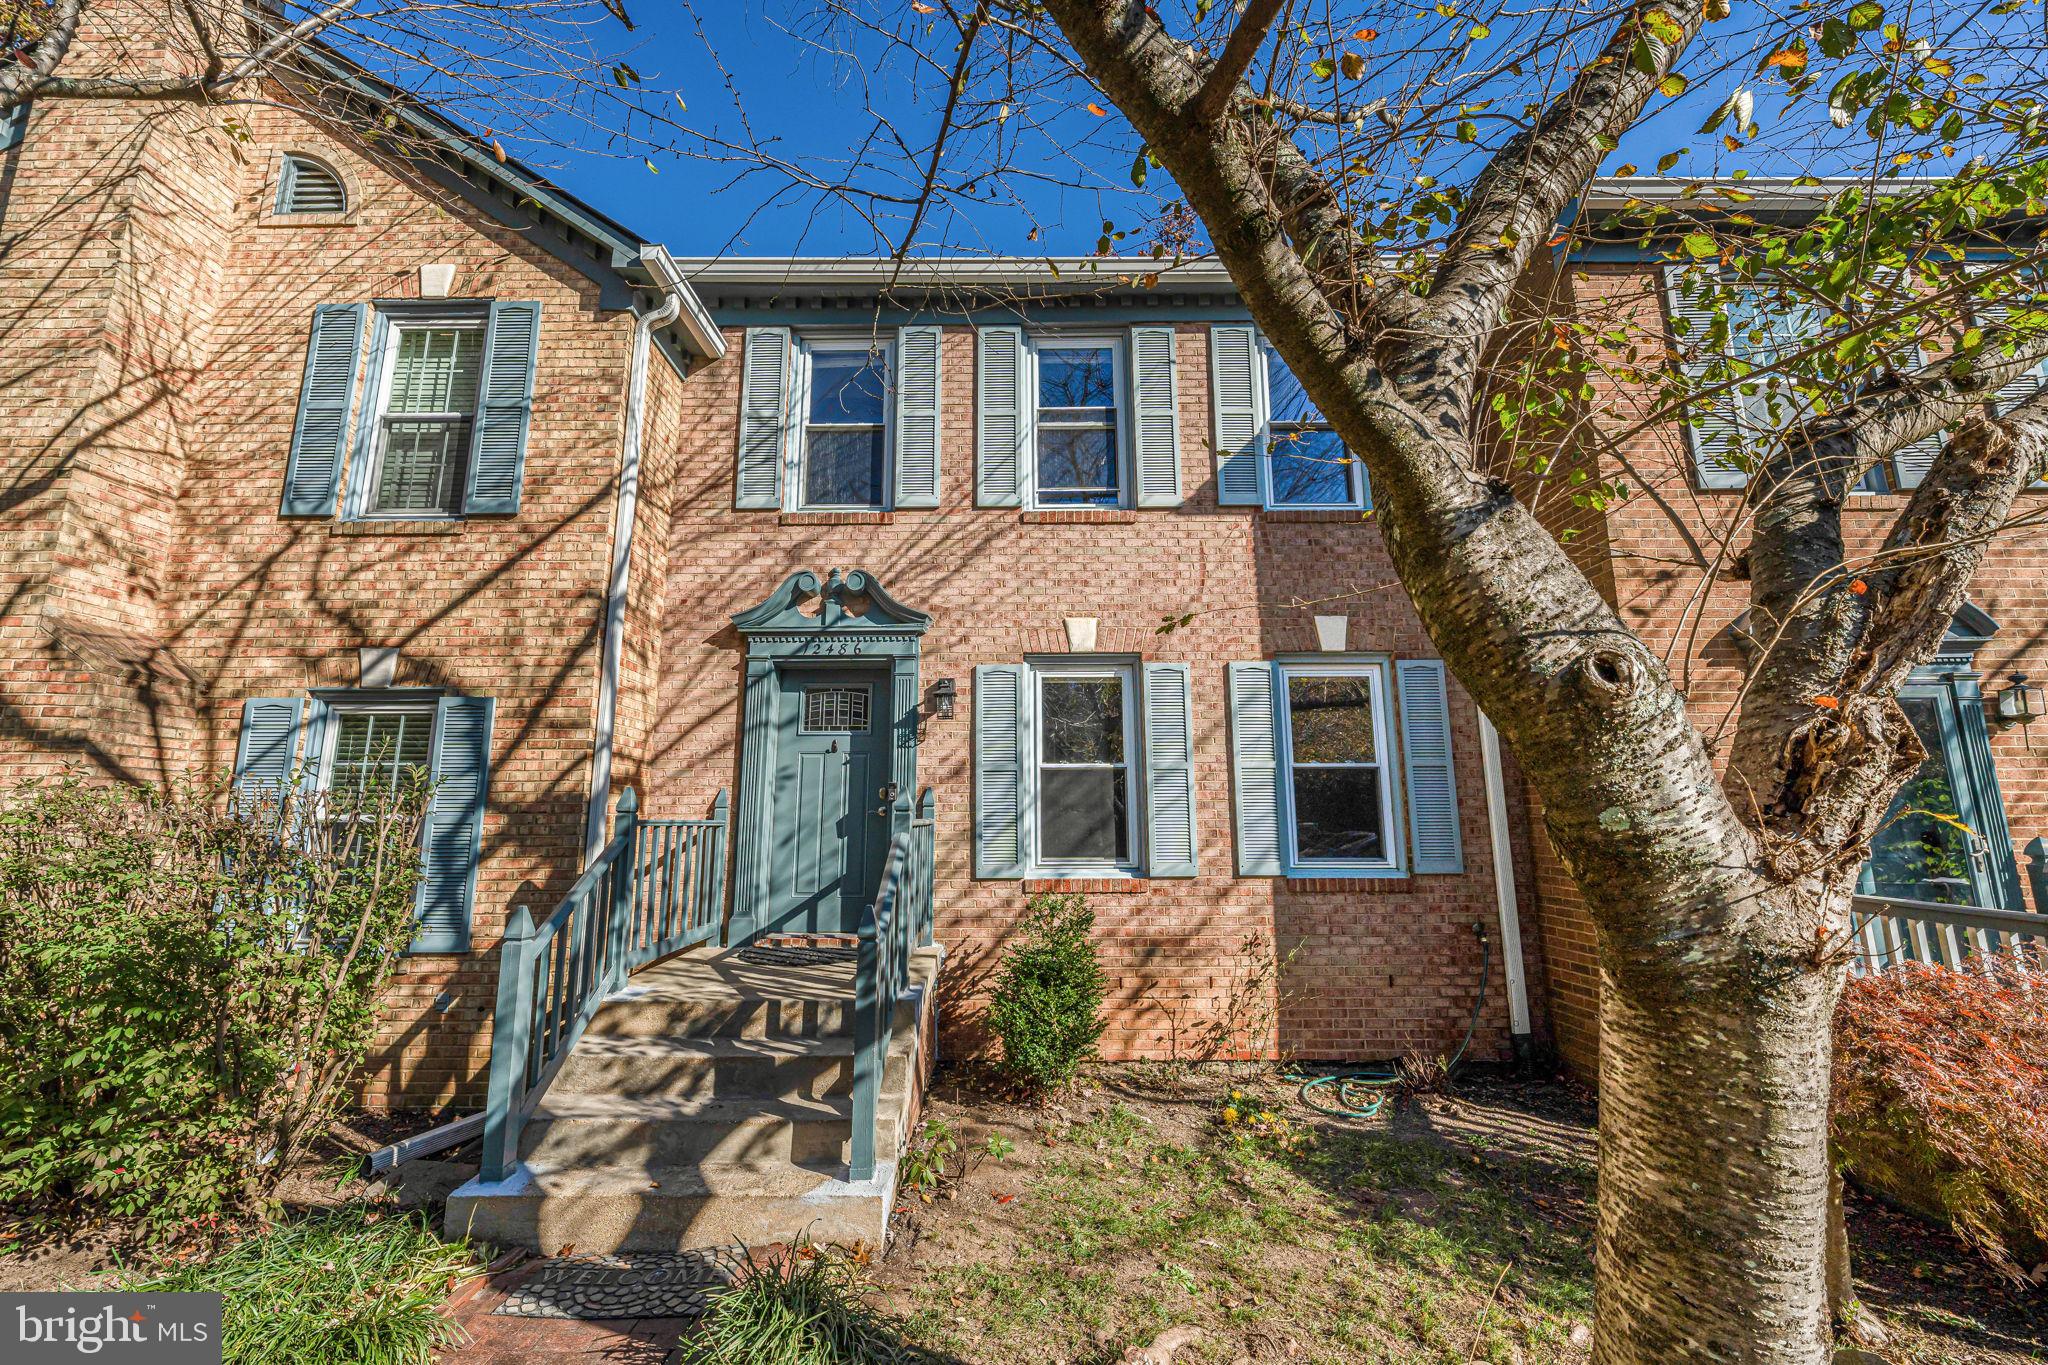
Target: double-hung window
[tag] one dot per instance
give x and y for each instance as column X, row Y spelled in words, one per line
column 1079, row 432
column 426, row 417
column 378, row 751
column 1307, row 465
column 842, row 455
column 1087, row 819
column 1337, row 791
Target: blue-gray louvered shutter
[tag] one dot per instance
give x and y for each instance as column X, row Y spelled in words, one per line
column 319, row 715
column 1714, row 436
column 504, row 409
column 268, row 748
column 1002, row 415
column 461, row 775
column 1438, row 843
column 320, row 432
column 1255, row 769
column 999, row 750
column 1155, row 417
column 1234, row 390
column 917, row 416
column 764, row 404
column 1170, row 849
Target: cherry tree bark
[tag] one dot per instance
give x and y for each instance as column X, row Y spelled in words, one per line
column 1721, row 905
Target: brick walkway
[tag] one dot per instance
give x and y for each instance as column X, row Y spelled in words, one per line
column 492, row 1340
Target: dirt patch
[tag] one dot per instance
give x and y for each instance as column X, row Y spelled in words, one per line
column 1454, row 1228
column 54, row 1249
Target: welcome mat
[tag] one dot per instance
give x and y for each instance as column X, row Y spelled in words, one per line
column 640, row 1284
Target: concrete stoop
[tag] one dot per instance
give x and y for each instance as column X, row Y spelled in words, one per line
column 709, row 1102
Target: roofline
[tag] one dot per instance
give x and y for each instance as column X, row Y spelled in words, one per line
column 1772, row 192
column 628, row 253
column 1079, row 272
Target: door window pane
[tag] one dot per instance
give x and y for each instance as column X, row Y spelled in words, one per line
column 845, row 441
column 1084, row 806
column 1923, row 852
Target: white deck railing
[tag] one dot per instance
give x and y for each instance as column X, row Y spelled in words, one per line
column 1890, row 931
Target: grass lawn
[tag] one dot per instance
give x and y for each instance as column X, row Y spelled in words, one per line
column 1455, row 1230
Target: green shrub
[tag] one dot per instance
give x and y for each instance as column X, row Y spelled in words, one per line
column 358, row 1286
column 1047, row 1010
column 187, row 984
column 806, row 1310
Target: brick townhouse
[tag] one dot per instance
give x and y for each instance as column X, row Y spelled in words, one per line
column 320, row 455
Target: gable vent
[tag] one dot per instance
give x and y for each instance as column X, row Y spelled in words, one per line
column 306, row 186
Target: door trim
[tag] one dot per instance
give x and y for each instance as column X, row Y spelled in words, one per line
column 847, row 621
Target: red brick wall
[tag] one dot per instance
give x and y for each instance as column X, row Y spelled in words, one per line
column 147, row 421
column 1374, row 968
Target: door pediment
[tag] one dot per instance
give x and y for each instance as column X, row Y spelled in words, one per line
column 847, row 616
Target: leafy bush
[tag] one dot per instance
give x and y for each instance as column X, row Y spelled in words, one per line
column 1941, row 1099
column 1047, row 1010
column 806, row 1309
column 187, row 983
column 354, row 1287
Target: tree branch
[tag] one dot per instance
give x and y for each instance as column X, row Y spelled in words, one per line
column 1218, row 89
column 20, row 82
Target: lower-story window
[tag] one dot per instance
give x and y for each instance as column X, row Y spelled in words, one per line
column 1086, row 818
column 1084, row 767
column 1338, row 797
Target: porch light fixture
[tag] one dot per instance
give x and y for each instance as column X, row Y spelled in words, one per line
column 2017, row 703
column 943, row 693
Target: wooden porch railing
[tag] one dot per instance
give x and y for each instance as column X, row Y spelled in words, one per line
column 658, row 887
column 1891, row 932
column 897, row 924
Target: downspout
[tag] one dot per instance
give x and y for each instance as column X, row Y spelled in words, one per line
column 622, row 569
column 1504, row 890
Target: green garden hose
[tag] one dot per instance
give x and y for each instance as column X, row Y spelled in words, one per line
column 1362, row 1094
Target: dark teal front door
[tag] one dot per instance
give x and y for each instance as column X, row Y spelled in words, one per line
column 829, row 808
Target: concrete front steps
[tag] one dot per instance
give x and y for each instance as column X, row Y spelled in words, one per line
column 709, row 1102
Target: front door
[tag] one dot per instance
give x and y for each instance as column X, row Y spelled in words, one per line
column 829, row 808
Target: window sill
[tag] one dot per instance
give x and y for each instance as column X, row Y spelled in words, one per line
column 451, row 526
column 836, row 518
column 1090, row 886
column 1352, row 515
column 1370, row 883
column 1079, row 516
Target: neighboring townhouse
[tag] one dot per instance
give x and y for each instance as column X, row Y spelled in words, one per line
column 320, row 454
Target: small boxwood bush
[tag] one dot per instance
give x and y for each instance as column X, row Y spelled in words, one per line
column 1047, row 1011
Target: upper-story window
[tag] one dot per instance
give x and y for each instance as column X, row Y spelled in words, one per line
column 842, row 449
column 1306, row 463
column 426, row 417
column 1079, row 435
column 307, row 186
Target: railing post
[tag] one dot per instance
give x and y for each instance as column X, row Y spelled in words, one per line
column 510, row 1033
column 626, row 834
column 867, row 1063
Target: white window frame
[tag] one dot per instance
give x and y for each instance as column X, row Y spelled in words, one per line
column 1134, row 769
column 1753, row 410
column 369, row 466
column 796, row 443
column 1392, row 833
column 1262, row 377
column 1119, row 353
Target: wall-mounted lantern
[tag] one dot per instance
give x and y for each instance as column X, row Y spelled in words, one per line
column 940, row 702
column 2017, row 703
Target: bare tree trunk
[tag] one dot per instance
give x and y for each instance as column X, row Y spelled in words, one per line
column 1713, row 1161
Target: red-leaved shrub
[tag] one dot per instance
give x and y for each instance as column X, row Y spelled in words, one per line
column 1941, row 1099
